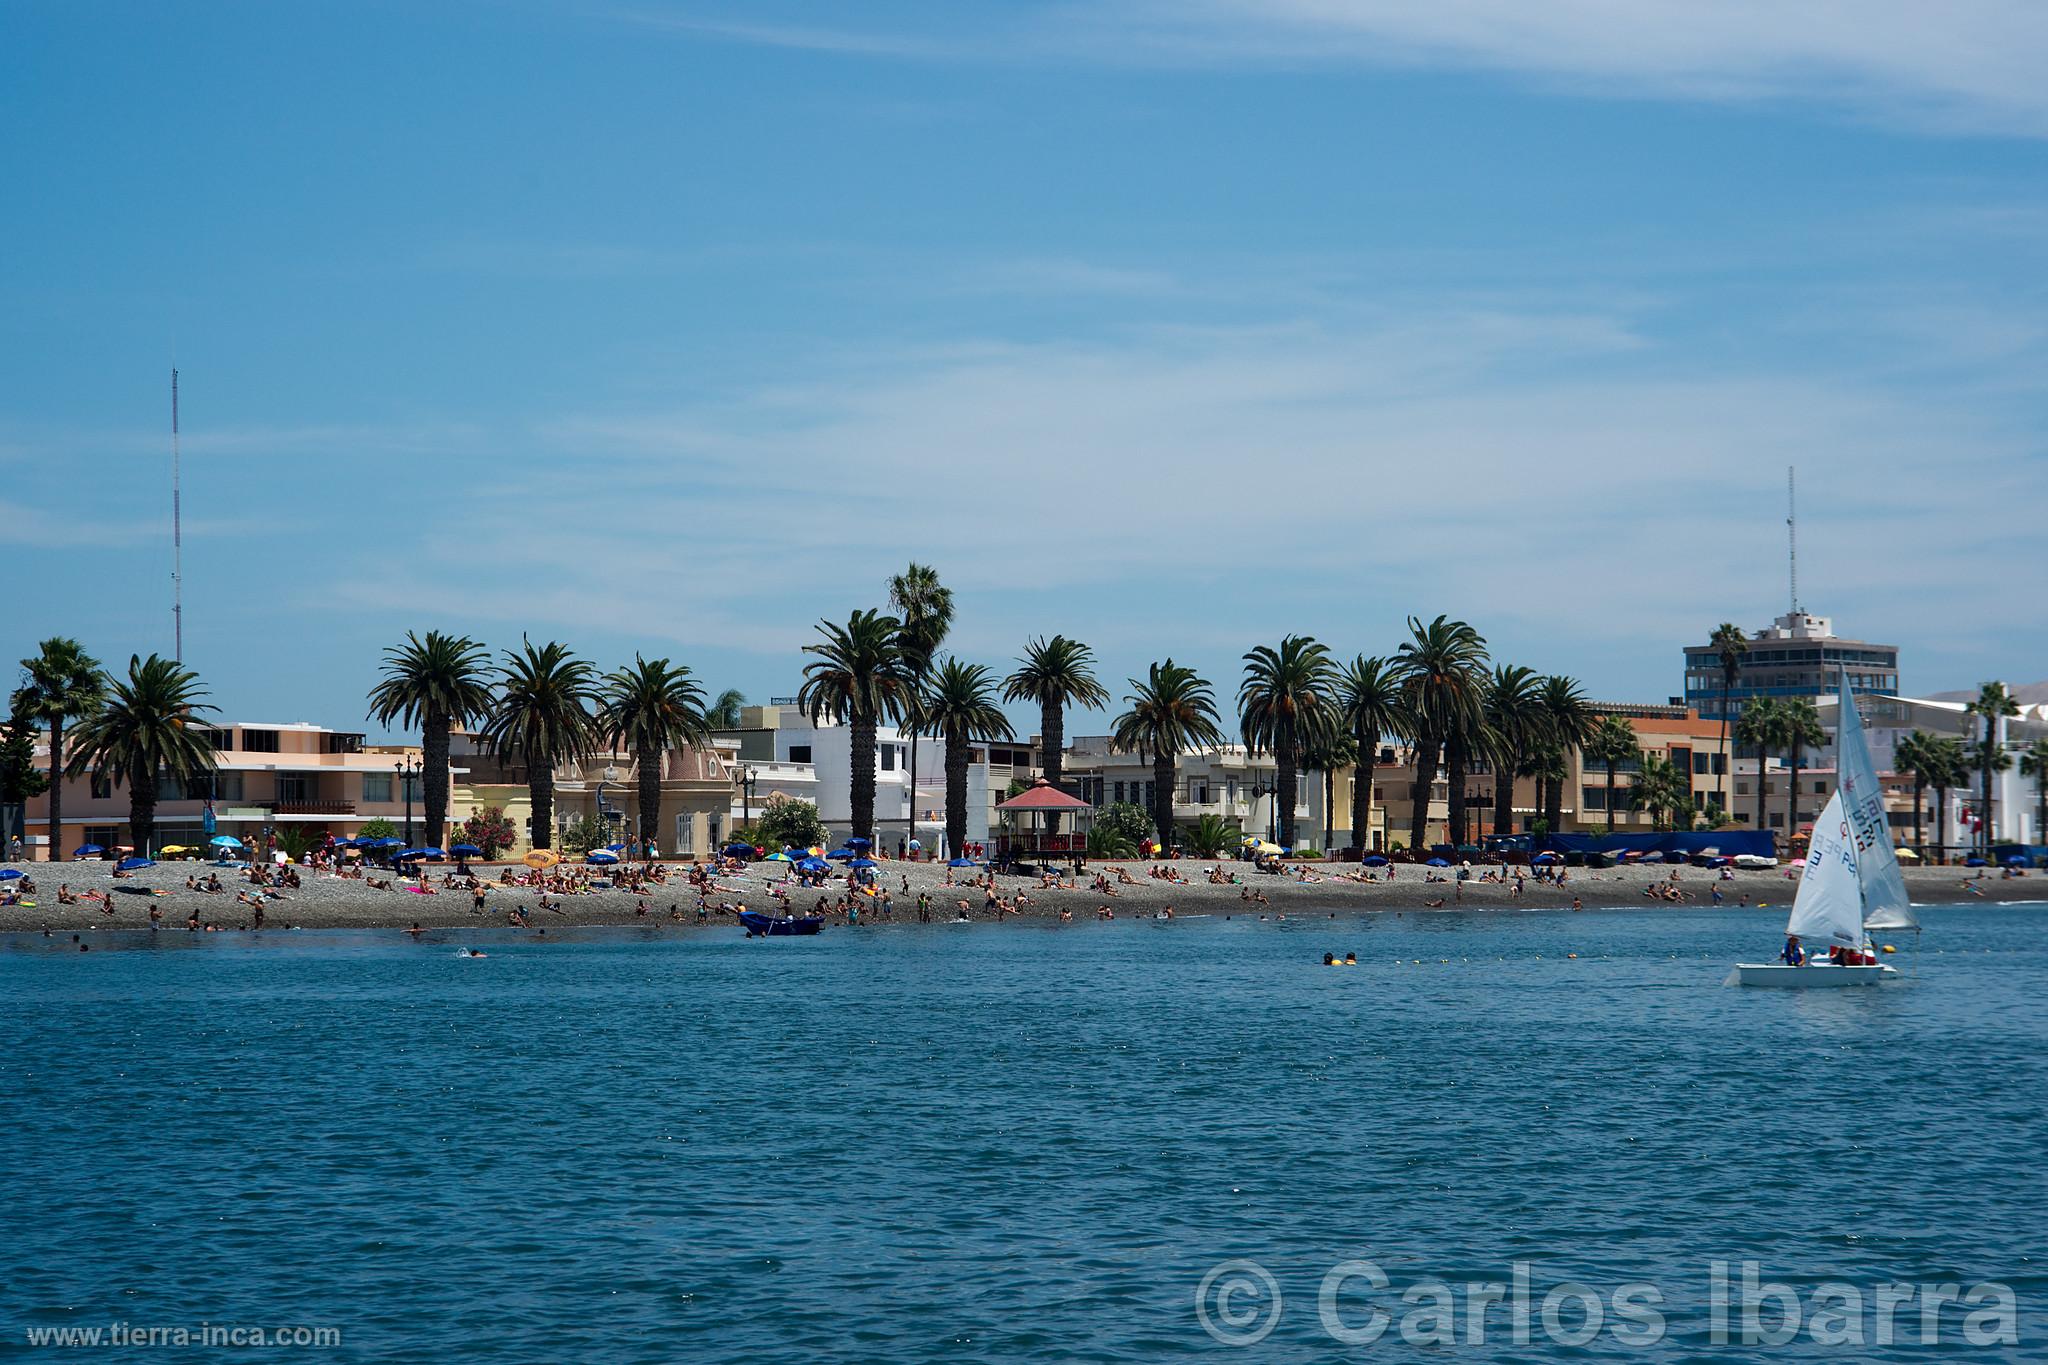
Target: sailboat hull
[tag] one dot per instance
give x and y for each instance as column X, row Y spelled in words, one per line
column 1814, row 976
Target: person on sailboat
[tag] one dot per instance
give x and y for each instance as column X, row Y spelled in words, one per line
column 1793, row 955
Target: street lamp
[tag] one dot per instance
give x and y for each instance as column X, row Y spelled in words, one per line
column 747, row 779
column 407, row 769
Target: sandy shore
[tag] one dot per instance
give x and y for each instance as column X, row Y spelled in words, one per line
column 331, row 902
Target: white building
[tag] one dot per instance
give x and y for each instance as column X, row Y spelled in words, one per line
column 2015, row 796
column 1225, row 781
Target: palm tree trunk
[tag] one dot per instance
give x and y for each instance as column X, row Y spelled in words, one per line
column 142, row 817
column 956, row 794
column 1052, row 733
column 540, row 786
column 1988, row 724
column 434, row 749
column 1726, row 762
column 1763, row 766
column 1361, row 794
column 647, row 774
column 1504, row 799
column 1329, row 818
column 1941, row 824
column 1553, row 806
column 56, row 827
column 1919, row 804
column 862, row 778
column 1454, row 762
column 1792, row 797
column 1162, row 799
column 1610, row 796
column 1425, row 778
column 1287, row 779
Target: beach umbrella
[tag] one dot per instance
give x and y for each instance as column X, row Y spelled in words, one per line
column 1906, row 855
column 963, row 862
column 1375, row 860
column 173, row 848
column 130, row 864
column 541, row 857
column 388, row 841
column 8, row 874
column 615, row 848
column 859, row 843
column 814, row 865
column 1973, row 862
column 780, row 858
column 863, row 863
column 1437, row 862
column 1546, row 858
column 467, row 851
column 84, row 849
column 740, row 850
column 601, row 857
column 225, row 841
column 840, row 853
column 2015, row 861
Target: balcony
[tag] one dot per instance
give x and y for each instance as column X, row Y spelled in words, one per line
column 313, row 808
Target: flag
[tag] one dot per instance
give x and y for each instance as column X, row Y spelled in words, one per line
column 209, row 815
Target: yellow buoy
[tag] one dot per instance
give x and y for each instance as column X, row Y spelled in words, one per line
column 1888, row 948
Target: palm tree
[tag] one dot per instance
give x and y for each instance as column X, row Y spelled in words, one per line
column 960, row 707
column 1915, row 754
column 1762, row 726
column 1947, row 769
column 1661, row 787
column 1613, row 743
column 436, row 683
column 650, row 708
column 1288, row 699
column 1730, row 644
column 1568, row 722
column 1988, row 757
column 2034, row 764
column 1802, row 731
column 1372, row 707
column 724, row 714
column 542, row 717
column 924, row 612
column 1055, row 673
column 142, row 734
column 1441, row 668
column 1210, row 835
column 1513, row 712
column 860, row 679
column 1994, row 703
column 61, row 682
column 1173, row 710
column 1325, row 754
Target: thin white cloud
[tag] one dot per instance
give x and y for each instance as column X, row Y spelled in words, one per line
column 1960, row 65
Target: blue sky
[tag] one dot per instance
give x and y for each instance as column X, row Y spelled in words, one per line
column 673, row 327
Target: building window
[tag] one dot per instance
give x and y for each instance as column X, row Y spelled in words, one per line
column 106, row 836
column 1741, row 788
column 293, row 789
column 1820, row 789
column 799, row 753
column 888, row 758
column 376, row 787
column 102, row 788
column 1202, row 794
column 1595, row 798
column 1119, row 793
column 259, row 741
column 686, row 835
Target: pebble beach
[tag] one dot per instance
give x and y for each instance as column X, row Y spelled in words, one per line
column 326, row 901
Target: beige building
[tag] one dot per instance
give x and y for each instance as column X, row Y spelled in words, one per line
column 697, row 795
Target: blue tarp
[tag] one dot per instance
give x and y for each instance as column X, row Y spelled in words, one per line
column 1728, row 842
column 2036, row 855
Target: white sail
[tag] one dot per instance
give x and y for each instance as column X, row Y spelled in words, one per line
column 1885, row 904
column 1829, row 907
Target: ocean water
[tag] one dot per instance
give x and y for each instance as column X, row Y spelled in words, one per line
column 1015, row 1143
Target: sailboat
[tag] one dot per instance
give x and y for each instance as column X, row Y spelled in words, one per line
column 1852, row 884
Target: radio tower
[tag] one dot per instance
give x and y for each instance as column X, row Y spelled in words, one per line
column 1792, row 530
column 177, row 533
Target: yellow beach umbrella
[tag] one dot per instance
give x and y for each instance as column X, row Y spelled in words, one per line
column 1907, row 855
column 542, row 857
column 174, row 848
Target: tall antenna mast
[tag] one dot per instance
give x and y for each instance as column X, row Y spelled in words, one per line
column 1792, row 529
column 177, row 531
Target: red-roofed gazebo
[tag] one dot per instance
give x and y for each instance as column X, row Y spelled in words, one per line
column 1028, row 836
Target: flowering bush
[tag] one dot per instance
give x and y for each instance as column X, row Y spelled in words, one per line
column 490, row 831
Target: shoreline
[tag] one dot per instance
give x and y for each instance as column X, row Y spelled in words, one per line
column 327, row 902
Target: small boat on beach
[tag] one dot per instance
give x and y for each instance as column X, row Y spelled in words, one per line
column 1851, row 886
column 758, row 925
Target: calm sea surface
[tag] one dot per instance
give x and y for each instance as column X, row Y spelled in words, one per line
column 1005, row 1143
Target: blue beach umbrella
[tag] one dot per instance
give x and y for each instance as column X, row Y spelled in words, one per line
column 1973, row 862
column 963, row 862
column 467, row 851
column 615, row 848
column 388, row 841
column 1437, row 862
column 2015, row 861
column 84, row 849
column 8, row 874
column 224, row 841
column 863, row 862
column 1375, row 860
column 859, row 843
column 130, row 864
column 1546, row 858
column 602, row 857
column 842, row 854
column 814, row 865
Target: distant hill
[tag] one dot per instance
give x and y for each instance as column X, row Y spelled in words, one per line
column 2032, row 694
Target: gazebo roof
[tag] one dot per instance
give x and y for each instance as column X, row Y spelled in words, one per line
column 1044, row 796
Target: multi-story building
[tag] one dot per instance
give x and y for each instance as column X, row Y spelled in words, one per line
column 1795, row 656
column 1225, row 781
column 697, row 793
column 270, row 777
